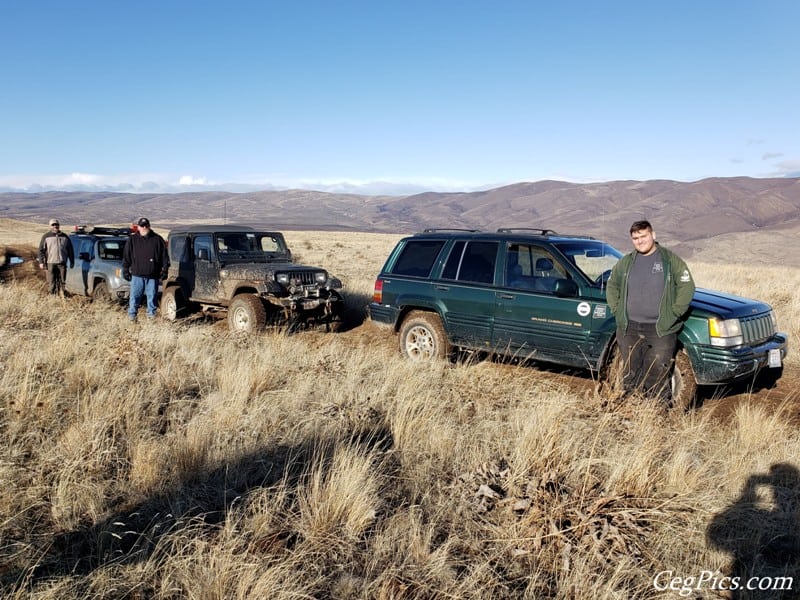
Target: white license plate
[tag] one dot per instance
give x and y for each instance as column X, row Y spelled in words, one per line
column 774, row 360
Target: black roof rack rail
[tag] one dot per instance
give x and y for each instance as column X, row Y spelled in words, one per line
column 444, row 229
column 94, row 230
column 527, row 229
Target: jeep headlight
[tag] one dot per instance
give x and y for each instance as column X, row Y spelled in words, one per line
column 282, row 278
column 320, row 277
column 725, row 333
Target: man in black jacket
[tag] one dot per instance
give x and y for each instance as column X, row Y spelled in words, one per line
column 144, row 262
column 55, row 251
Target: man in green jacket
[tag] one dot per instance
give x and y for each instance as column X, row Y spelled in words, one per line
column 649, row 292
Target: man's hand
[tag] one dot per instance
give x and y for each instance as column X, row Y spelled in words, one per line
column 164, row 274
column 126, row 274
column 41, row 266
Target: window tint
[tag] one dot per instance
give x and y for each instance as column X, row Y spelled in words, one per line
column 87, row 245
column 453, row 261
column 203, row 242
column 417, row 257
column 532, row 268
column 477, row 264
column 177, row 249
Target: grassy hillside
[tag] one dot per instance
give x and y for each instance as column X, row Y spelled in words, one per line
column 171, row 460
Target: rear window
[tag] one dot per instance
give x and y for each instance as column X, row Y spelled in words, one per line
column 416, row 259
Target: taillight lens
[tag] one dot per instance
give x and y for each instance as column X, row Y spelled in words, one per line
column 377, row 294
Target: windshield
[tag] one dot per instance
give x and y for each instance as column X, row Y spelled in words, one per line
column 593, row 257
column 247, row 245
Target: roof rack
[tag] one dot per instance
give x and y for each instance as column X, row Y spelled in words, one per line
column 443, row 229
column 527, row 229
column 94, row 230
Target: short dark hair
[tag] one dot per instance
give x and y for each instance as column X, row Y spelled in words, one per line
column 641, row 226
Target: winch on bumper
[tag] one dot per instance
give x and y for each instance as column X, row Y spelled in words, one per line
column 318, row 301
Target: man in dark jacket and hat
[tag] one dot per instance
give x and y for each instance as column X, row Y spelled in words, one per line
column 144, row 262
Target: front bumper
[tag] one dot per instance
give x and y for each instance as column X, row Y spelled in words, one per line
column 726, row 365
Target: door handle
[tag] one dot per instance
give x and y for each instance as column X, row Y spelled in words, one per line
column 507, row 296
column 444, row 288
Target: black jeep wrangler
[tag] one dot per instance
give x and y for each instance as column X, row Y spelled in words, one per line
column 248, row 275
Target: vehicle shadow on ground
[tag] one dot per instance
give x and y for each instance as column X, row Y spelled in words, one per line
column 355, row 311
column 196, row 505
column 760, row 532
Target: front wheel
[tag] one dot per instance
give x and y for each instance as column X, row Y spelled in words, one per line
column 100, row 293
column 246, row 314
column 683, row 382
column 422, row 337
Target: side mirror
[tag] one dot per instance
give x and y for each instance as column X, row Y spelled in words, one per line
column 202, row 254
column 566, row 288
column 84, row 256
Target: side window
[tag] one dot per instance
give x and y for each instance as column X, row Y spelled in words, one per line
column 532, row 268
column 177, row 249
column 453, row 261
column 110, row 250
column 416, row 259
column 477, row 264
column 203, row 242
column 87, row 245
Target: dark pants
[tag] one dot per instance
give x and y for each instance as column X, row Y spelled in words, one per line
column 647, row 360
column 56, row 276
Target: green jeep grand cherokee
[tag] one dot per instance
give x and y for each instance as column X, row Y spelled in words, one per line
column 537, row 295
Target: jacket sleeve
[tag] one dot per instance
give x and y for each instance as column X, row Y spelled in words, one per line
column 684, row 287
column 43, row 250
column 70, row 252
column 126, row 254
column 613, row 289
column 164, row 255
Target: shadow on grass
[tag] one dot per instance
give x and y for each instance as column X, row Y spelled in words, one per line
column 196, row 505
column 761, row 533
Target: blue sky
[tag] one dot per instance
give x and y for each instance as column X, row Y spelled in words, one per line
column 394, row 97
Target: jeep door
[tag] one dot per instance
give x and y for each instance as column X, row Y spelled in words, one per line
column 466, row 292
column 206, row 268
column 538, row 313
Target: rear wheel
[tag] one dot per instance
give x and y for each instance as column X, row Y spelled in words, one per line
column 422, row 337
column 683, row 382
column 246, row 314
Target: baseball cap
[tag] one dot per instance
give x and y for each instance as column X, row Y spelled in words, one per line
column 143, row 222
column 53, row 222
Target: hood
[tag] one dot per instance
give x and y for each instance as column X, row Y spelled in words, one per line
column 727, row 305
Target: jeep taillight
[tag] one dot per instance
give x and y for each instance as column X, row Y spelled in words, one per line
column 377, row 294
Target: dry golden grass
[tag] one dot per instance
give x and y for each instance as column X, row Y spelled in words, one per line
column 176, row 461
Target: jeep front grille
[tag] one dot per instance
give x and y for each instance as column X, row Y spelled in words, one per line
column 756, row 329
column 302, row 277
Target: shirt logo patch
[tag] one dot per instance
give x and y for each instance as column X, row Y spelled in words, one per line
column 685, row 277
column 658, row 267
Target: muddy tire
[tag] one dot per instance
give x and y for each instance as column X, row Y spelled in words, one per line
column 683, row 383
column 173, row 304
column 422, row 337
column 100, row 293
column 246, row 314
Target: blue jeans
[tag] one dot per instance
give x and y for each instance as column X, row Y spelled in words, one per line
column 141, row 286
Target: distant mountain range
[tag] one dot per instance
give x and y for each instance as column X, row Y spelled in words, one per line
column 687, row 214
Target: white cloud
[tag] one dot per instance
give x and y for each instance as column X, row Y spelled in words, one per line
column 189, row 180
